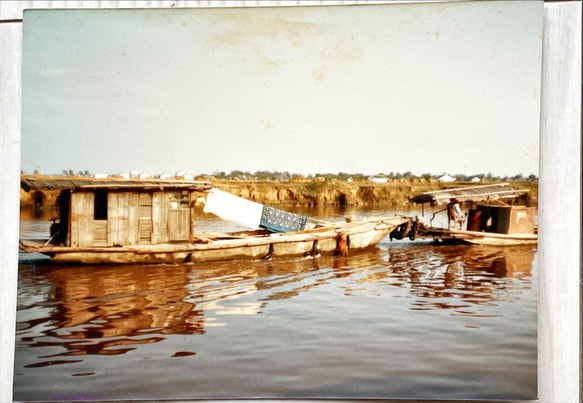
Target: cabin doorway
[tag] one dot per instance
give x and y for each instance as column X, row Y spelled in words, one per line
column 100, row 212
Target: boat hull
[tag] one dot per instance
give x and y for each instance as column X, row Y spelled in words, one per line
column 357, row 236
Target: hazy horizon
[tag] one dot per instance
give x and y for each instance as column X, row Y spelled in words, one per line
column 250, row 175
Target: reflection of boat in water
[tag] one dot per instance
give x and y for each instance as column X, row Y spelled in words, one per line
column 138, row 298
column 151, row 221
column 109, row 310
column 490, row 221
column 462, row 276
column 512, row 262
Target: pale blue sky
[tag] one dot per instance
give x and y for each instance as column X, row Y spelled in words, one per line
column 450, row 87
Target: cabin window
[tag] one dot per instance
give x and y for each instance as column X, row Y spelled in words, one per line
column 100, row 212
column 179, row 200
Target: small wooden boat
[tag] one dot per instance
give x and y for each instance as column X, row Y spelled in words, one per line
column 130, row 221
column 490, row 221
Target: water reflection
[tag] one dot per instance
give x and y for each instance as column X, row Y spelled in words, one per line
column 210, row 323
column 32, row 214
column 108, row 310
column 462, row 277
column 112, row 310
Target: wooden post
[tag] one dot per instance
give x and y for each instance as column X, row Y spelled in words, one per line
column 191, row 202
column 560, row 206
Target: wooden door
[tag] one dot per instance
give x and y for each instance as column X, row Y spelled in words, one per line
column 159, row 218
column 179, row 216
column 122, row 218
column 81, row 218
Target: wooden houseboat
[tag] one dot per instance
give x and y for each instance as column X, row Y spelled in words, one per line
column 152, row 221
column 490, row 220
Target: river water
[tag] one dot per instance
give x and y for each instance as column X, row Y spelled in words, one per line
column 404, row 320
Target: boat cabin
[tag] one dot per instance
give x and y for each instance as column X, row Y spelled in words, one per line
column 489, row 212
column 143, row 221
column 502, row 219
column 119, row 212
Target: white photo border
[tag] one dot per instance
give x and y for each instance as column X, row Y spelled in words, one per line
column 560, row 195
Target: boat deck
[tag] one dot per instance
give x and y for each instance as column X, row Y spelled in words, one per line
column 476, row 237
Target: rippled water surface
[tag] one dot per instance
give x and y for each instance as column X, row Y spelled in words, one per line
column 408, row 320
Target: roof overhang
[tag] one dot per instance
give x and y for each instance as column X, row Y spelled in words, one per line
column 29, row 184
column 473, row 193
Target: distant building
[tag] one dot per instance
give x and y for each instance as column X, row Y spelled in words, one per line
column 183, row 176
column 144, row 175
column 124, row 175
column 446, row 178
column 476, row 179
column 165, row 176
column 378, row 178
column 134, row 174
column 100, row 176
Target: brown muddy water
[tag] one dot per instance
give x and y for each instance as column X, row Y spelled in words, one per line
column 404, row 320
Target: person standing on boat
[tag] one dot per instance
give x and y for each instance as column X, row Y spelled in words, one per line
column 456, row 215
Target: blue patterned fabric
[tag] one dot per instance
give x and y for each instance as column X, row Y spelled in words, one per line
column 281, row 221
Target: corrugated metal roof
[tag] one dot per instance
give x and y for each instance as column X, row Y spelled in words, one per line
column 473, row 193
column 111, row 183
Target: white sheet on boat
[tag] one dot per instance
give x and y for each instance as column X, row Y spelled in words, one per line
column 233, row 208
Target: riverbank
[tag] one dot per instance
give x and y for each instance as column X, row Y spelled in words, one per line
column 317, row 192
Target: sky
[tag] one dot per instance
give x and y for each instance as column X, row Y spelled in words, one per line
column 426, row 88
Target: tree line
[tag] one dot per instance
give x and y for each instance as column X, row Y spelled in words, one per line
column 341, row 176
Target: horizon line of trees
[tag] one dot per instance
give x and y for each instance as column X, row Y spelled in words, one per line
column 342, row 176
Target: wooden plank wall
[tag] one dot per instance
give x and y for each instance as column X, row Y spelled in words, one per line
column 163, row 222
column 178, row 217
column 81, row 218
column 128, row 222
column 145, row 219
column 178, row 225
column 123, row 209
column 99, row 233
column 132, row 218
column 159, row 218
